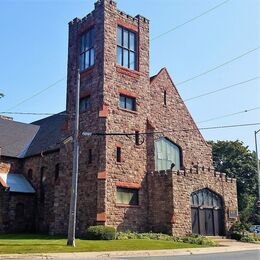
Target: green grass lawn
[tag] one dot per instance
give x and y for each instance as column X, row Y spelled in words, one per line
column 31, row 243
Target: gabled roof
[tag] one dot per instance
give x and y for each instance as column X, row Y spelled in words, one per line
column 49, row 134
column 16, row 183
column 21, row 140
column 15, row 137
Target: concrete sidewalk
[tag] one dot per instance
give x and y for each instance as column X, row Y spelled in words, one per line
column 225, row 246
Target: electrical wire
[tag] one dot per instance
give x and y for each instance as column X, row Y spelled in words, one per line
column 217, row 67
column 220, row 89
column 190, row 20
column 36, row 94
column 170, row 131
column 228, row 115
column 32, row 113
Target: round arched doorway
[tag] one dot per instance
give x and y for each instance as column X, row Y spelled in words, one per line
column 207, row 213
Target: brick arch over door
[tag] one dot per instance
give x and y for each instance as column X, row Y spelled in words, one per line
column 207, row 212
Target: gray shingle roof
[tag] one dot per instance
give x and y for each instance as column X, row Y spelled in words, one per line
column 15, row 137
column 23, row 140
column 49, row 135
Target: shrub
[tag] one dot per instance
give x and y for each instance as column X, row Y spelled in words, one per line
column 101, row 233
column 192, row 239
column 236, row 236
column 198, row 240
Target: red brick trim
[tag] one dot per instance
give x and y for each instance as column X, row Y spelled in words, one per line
column 128, row 72
column 84, row 93
column 128, row 185
column 119, row 145
column 173, row 219
column 104, row 111
column 3, row 183
column 102, row 175
column 126, row 25
column 127, row 93
column 129, row 111
column 101, row 217
column 127, row 206
column 86, row 72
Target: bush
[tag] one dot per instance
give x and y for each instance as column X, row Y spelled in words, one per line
column 236, row 236
column 101, row 233
column 198, row 240
column 192, row 239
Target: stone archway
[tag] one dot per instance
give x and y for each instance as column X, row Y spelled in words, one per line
column 207, row 213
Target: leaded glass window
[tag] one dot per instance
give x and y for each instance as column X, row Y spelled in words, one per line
column 167, row 154
column 205, row 198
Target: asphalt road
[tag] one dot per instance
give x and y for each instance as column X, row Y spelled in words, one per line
column 243, row 255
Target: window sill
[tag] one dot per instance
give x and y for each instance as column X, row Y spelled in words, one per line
column 128, row 72
column 87, row 71
column 127, row 206
column 127, row 110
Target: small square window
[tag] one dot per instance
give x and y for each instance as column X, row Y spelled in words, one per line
column 127, row 102
column 127, row 196
column 84, row 104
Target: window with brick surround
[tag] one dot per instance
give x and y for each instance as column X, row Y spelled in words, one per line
column 126, row 48
column 127, row 102
column 87, row 53
column 127, row 196
column 84, row 104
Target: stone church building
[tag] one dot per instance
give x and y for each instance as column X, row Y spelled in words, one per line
column 157, row 177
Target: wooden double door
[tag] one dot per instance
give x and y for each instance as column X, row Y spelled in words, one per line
column 207, row 213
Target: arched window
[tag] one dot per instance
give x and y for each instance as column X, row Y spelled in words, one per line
column 205, row 198
column 57, row 171
column 30, row 174
column 42, row 184
column 167, row 155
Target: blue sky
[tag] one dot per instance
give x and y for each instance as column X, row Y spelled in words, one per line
column 34, row 55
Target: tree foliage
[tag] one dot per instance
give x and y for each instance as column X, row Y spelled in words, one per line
column 1, row 95
column 236, row 160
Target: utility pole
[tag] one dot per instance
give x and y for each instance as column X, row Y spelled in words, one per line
column 75, row 173
column 258, row 170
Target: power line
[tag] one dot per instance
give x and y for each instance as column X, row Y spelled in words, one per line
column 228, row 115
column 190, row 20
column 36, row 94
column 221, row 89
column 217, row 67
column 32, row 113
column 169, row 131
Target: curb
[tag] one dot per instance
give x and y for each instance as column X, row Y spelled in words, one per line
column 130, row 254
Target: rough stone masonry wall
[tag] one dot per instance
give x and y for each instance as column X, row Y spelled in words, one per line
column 117, row 79
column 91, row 190
column 175, row 116
column 185, row 182
column 44, row 211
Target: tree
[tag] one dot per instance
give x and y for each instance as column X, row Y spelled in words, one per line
column 1, row 95
column 236, row 160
